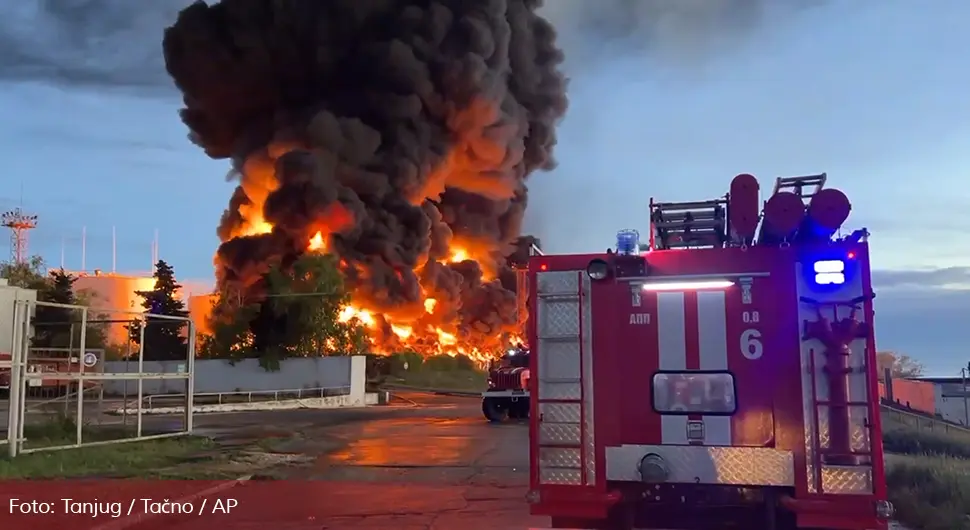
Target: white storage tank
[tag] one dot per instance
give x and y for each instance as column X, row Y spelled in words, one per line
column 110, row 296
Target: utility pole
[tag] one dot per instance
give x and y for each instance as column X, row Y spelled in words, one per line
column 966, row 406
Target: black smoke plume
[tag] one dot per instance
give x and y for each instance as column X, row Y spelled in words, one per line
column 400, row 128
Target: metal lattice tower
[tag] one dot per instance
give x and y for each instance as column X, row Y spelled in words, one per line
column 20, row 225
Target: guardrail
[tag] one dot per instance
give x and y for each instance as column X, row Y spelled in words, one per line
column 250, row 396
column 922, row 423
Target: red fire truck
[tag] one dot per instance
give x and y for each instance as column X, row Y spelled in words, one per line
column 721, row 376
column 507, row 395
column 56, row 360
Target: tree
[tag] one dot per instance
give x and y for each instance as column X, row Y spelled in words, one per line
column 299, row 317
column 54, row 327
column 230, row 337
column 163, row 338
column 900, row 366
column 31, row 274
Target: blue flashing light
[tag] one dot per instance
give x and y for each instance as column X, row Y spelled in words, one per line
column 829, row 272
column 627, row 242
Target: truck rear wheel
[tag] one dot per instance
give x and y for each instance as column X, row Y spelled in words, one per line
column 519, row 410
column 495, row 410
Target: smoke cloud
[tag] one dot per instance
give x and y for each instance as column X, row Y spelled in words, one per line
column 111, row 43
column 399, row 130
column 682, row 31
column 408, row 128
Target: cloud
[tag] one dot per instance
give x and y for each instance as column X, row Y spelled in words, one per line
column 923, row 314
column 87, row 42
column 941, row 278
column 929, row 325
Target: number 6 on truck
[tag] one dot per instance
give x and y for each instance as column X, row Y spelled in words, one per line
column 751, row 346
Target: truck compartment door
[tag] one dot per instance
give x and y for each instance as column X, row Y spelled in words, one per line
column 562, row 336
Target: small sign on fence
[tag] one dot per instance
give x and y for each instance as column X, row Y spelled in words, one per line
column 90, row 359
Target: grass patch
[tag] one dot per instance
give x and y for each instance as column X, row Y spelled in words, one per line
column 142, row 459
column 62, row 430
column 930, row 492
column 905, row 441
column 928, row 477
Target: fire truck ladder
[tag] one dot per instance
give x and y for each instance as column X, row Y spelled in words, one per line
column 701, row 224
column 836, row 335
column 805, row 187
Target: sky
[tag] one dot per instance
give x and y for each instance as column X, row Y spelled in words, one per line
column 668, row 98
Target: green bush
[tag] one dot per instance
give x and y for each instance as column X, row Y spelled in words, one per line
column 447, row 363
column 441, row 372
column 464, row 362
column 440, row 363
column 398, row 361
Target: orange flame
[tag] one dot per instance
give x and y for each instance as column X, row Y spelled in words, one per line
column 260, row 181
column 446, row 343
column 317, row 242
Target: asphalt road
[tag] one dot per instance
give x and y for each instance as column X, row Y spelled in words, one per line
column 431, row 464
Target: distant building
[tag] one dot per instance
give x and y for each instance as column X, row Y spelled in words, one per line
column 952, row 400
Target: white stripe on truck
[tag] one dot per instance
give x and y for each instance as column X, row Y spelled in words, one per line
column 712, row 342
column 672, row 351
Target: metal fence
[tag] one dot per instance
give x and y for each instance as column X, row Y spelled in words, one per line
column 55, row 396
column 893, row 417
column 166, row 401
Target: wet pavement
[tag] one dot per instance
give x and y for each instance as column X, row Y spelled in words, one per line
column 430, row 463
column 426, row 463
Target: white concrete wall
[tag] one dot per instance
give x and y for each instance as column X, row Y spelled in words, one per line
column 217, row 375
column 952, row 408
column 8, row 295
column 355, row 396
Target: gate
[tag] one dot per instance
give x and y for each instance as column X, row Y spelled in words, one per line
column 4, row 396
column 87, row 416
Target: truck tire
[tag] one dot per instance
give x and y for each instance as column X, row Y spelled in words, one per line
column 495, row 410
column 585, row 524
column 519, row 410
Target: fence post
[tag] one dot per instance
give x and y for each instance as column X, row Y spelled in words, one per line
column 190, row 382
column 80, row 374
column 16, row 359
column 358, row 380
